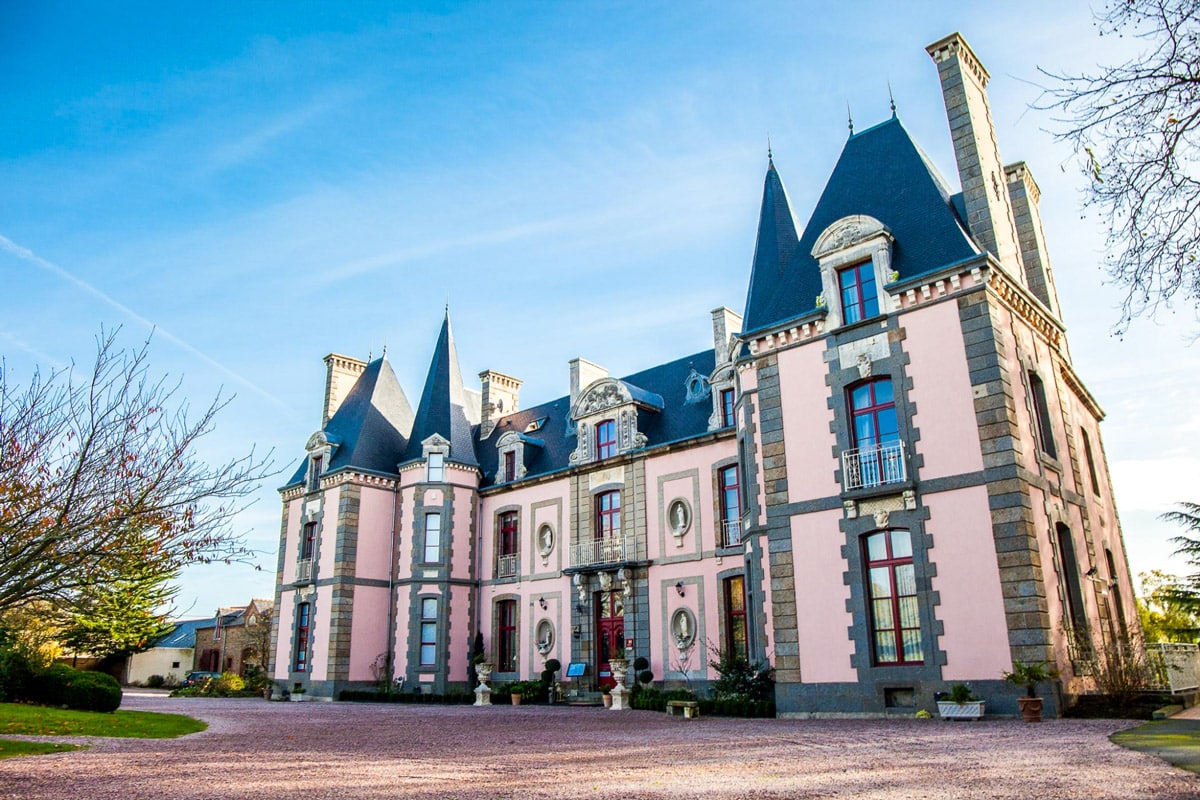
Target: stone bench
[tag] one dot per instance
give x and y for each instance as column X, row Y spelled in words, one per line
column 690, row 709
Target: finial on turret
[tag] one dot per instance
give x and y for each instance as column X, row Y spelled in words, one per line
column 891, row 100
column 768, row 147
column 849, row 118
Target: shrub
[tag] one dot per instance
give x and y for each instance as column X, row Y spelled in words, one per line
column 740, row 678
column 16, row 674
column 228, row 683
column 60, row 685
column 640, row 663
column 645, row 676
column 156, row 681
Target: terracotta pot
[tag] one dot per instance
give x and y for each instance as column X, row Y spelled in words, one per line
column 1031, row 708
column 608, row 701
column 516, row 699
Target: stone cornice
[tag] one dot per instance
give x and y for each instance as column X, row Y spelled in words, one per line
column 1076, row 386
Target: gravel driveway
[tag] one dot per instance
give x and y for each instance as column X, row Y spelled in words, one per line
column 254, row 749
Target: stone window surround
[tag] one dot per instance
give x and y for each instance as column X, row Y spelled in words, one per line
column 320, row 449
column 436, row 444
column 495, row 617
column 603, row 400
column 853, row 240
column 723, row 378
column 718, row 493
column 497, row 516
column 510, row 442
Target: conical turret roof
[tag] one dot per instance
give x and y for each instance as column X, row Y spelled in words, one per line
column 443, row 406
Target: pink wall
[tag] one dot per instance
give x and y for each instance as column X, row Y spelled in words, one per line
column 698, row 460
column 319, row 657
column 460, row 632
column 327, row 536
column 971, row 606
column 401, row 633
column 809, row 442
column 748, row 381
column 528, row 521
column 368, row 630
column 942, row 392
column 282, row 661
column 375, row 514
column 821, row 595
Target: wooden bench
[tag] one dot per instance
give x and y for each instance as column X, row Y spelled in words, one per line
column 690, row 709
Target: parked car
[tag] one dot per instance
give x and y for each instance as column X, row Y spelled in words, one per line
column 198, row 677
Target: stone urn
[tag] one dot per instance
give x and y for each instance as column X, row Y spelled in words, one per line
column 620, row 668
column 483, row 692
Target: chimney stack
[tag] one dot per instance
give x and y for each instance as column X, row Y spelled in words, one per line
column 501, row 396
column 341, row 373
column 583, row 374
column 726, row 324
column 985, row 190
column 1025, row 194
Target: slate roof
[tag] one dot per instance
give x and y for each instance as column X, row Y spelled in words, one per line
column 881, row 173
column 371, row 425
column 183, row 634
column 443, row 406
column 666, row 383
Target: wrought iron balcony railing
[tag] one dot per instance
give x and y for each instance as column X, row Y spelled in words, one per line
column 731, row 533
column 608, row 550
column 877, row 465
column 304, row 570
column 507, row 565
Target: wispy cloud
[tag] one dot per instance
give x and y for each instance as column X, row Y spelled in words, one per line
column 29, row 256
column 42, row 357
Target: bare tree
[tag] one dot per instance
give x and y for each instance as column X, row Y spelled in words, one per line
column 1136, row 126
column 99, row 479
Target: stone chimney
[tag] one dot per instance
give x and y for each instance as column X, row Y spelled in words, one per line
column 985, row 191
column 583, row 374
column 1025, row 195
column 340, row 374
column 501, row 395
column 726, row 324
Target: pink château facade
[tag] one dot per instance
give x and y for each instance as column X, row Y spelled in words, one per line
column 884, row 478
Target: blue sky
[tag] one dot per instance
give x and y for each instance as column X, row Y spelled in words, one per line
column 265, row 183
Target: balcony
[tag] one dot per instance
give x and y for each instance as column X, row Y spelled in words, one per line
column 304, row 570
column 507, row 566
column 731, row 533
column 610, row 550
column 878, row 465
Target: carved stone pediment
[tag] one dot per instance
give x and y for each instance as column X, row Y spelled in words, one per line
column 847, row 232
column 600, row 396
column 320, row 441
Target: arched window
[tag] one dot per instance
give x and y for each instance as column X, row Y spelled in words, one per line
column 877, row 456
column 892, row 593
column 606, row 439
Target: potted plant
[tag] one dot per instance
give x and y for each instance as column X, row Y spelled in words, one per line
column 297, row 695
column 1030, row 675
column 960, row 703
column 606, row 692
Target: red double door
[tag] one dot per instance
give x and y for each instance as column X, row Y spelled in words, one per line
column 610, row 633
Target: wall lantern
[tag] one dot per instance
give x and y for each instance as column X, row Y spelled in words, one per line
column 679, row 587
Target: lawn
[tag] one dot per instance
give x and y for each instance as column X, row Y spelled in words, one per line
column 10, row 748
column 41, row 721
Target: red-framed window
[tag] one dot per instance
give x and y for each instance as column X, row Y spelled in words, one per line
column 608, row 515
column 429, row 615
column 860, row 299
column 736, row 641
column 727, row 408
column 433, row 538
column 731, row 506
column 606, row 439
column 303, row 621
column 508, row 533
column 308, row 541
column 510, row 466
column 894, row 610
column 506, row 636
column 875, row 429
column 1041, row 416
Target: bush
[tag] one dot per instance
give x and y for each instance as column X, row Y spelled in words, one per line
column 741, row 679
column 156, row 681
column 640, row 663
column 60, row 685
column 227, row 684
column 16, row 674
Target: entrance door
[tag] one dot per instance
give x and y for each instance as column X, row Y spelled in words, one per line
column 610, row 633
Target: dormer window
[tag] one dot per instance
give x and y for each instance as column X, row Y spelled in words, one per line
column 510, row 466
column 512, row 458
column 859, row 297
column 606, row 439
column 436, row 468
column 314, row 473
column 727, row 408
column 855, row 255
column 320, row 449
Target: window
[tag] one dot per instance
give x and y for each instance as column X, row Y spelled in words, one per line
column 731, row 509
column 1091, row 461
column 1070, row 575
column 303, row 613
column 174, row 665
column 435, row 468
column 433, row 538
column 892, row 582
column 877, row 457
column 314, row 473
column 429, row 614
column 727, row 408
column 735, row 616
column 608, row 515
column 1115, row 585
column 506, row 636
column 606, row 439
column 308, row 541
column 510, row 466
column 1041, row 416
column 506, row 546
column 857, row 287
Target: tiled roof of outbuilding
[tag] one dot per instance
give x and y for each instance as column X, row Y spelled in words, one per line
column 881, row 173
column 183, row 634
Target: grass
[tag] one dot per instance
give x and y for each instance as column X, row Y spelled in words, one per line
column 26, row 720
column 10, row 748
column 1176, row 741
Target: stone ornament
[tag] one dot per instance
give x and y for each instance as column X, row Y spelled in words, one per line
column 683, row 628
column 545, row 541
column 626, row 579
column 606, row 580
column 545, row 636
column 679, row 517
column 881, row 518
column 581, row 587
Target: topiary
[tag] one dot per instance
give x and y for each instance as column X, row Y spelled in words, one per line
column 640, row 663
column 646, row 676
column 49, row 687
column 93, row 691
column 553, row 665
